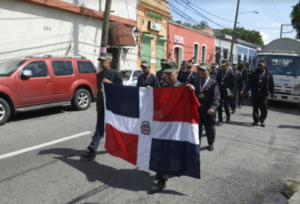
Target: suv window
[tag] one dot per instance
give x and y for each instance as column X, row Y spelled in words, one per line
column 137, row 74
column 37, row 68
column 85, row 67
column 62, row 68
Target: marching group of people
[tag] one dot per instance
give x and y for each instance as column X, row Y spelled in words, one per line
column 215, row 88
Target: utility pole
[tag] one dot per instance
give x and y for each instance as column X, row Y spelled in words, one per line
column 105, row 27
column 282, row 28
column 234, row 30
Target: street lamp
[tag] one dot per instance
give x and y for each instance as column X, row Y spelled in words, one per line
column 137, row 34
column 249, row 12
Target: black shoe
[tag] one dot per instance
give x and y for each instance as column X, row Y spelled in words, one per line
column 159, row 186
column 89, row 155
column 220, row 124
column 254, row 123
column 233, row 111
column 240, row 106
column 228, row 119
column 211, row 147
column 263, row 124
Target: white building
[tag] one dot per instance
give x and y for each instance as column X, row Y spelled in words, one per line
column 67, row 27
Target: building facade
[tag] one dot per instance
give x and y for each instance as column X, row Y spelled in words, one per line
column 153, row 23
column 59, row 28
column 222, row 49
column 185, row 43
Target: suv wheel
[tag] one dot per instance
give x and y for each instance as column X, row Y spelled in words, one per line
column 82, row 99
column 4, row 111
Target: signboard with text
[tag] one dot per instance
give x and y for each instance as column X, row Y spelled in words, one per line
column 178, row 39
column 154, row 26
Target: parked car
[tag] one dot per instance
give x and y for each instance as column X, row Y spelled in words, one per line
column 41, row 82
column 129, row 76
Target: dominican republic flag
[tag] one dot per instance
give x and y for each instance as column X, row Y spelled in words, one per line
column 153, row 128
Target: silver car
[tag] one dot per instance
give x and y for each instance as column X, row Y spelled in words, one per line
column 129, row 76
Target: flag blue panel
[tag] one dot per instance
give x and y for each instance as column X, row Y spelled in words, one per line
column 122, row 100
column 175, row 158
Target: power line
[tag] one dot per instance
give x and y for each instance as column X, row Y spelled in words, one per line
column 267, row 12
column 278, row 11
column 272, row 10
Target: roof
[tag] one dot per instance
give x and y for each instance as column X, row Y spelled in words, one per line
column 198, row 31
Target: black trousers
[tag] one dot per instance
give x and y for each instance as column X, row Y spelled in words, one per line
column 261, row 104
column 224, row 102
column 161, row 177
column 236, row 99
column 209, row 123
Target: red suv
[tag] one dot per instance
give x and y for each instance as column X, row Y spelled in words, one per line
column 41, row 82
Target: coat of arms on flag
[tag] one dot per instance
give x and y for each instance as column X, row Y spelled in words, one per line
column 153, row 128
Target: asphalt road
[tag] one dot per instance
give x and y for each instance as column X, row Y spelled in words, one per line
column 247, row 164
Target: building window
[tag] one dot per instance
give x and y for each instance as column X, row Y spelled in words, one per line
column 196, row 53
column 218, row 55
column 203, row 54
column 225, row 53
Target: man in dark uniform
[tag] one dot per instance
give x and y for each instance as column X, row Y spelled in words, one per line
column 213, row 74
column 226, row 82
column 191, row 75
column 182, row 75
column 160, row 74
column 244, row 72
column 171, row 74
column 261, row 85
column 236, row 99
column 207, row 92
column 147, row 79
column 107, row 75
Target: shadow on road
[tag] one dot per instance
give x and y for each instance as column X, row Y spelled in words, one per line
column 128, row 179
column 289, row 126
column 240, row 124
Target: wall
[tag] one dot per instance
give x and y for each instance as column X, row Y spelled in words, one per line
column 225, row 44
column 190, row 38
column 32, row 29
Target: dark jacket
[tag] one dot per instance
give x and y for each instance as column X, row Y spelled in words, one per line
column 244, row 73
column 182, row 76
column 192, row 78
column 266, row 86
column 161, row 77
column 229, row 80
column 144, row 82
column 213, row 75
column 113, row 76
column 211, row 99
column 239, row 80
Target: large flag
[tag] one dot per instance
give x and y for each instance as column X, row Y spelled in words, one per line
column 153, row 128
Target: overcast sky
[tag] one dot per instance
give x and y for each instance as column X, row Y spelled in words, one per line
column 272, row 13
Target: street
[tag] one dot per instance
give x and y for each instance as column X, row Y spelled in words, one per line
column 248, row 162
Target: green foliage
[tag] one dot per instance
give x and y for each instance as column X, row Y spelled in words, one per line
column 251, row 36
column 202, row 25
column 295, row 16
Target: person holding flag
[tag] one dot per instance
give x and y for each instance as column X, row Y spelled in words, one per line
column 191, row 75
column 208, row 95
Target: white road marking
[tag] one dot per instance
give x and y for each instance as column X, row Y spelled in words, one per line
column 3, row 156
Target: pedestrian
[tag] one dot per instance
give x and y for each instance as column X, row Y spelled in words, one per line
column 160, row 74
column 107, row 75
column 147, row 79
column 236, row 99
column 182, row 75
column 213, row 73
column 171, row 74
column 191, row 75
column 226, row 82
column 244, row 72
column 261, row 85
column 208, row 95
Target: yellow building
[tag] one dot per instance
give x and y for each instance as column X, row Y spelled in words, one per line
column 152, row 21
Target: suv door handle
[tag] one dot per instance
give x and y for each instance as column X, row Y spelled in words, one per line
column 48, row 81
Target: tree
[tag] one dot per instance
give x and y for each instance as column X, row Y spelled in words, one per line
column 251, row 36
column 202, row 25
column 295, row 16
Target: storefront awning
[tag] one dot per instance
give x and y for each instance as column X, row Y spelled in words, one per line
column 159, row 38
column 119, row 35
column 145, row 35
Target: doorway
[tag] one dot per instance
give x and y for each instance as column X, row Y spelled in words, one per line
column 115, row 61
column 178, row 55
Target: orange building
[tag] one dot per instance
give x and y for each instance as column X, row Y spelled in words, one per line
column 152, row 21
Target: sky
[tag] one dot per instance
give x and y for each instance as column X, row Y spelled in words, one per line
column 272, row 13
